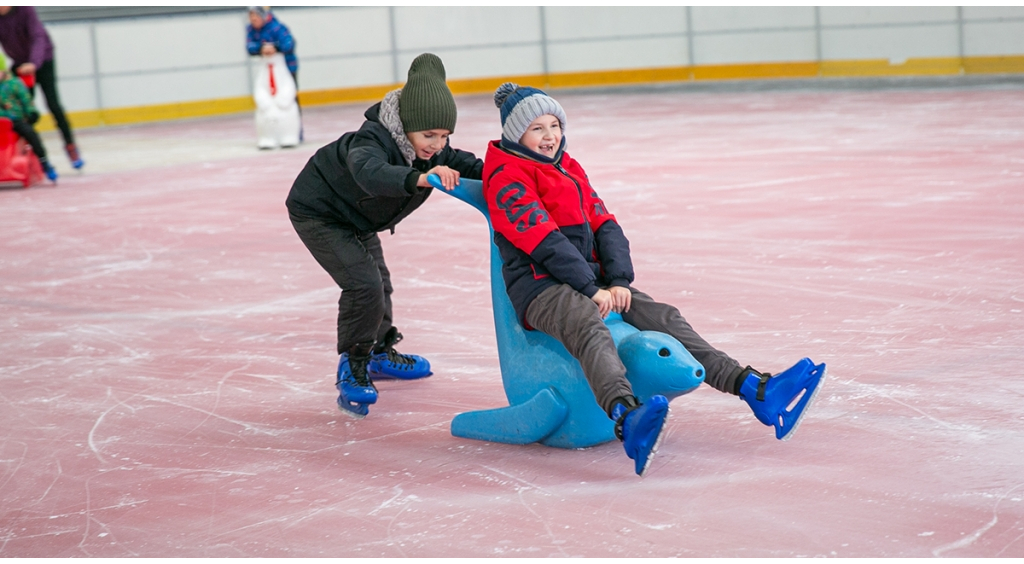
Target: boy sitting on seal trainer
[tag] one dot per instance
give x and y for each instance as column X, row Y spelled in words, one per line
column 567, row 266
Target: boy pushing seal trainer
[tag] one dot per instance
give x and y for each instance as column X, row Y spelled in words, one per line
column 364, row 183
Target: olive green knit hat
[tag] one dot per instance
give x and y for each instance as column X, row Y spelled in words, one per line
column 426, row 101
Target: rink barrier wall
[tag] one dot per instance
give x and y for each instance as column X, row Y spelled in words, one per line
column 937, row 66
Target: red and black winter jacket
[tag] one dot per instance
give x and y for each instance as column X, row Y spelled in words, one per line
column 551, row 227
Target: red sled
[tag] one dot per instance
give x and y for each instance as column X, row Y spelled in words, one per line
column 17, row 161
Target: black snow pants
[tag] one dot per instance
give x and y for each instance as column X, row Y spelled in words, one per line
column 356, row 263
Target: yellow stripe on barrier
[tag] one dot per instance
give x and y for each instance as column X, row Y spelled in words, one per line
column 1009, row 64
column 344, row 95
column 157, row 112
column 755, row 71
column 883, row 67
column 994, row 65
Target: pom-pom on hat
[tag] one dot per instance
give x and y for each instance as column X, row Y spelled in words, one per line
column 426, row 101
column 520, row 105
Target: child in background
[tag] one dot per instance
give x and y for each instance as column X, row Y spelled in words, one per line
column 365, row 183
column 265, row 35
column 567, row 266
column 16, row 105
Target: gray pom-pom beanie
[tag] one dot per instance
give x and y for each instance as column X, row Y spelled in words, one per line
column 520, row 105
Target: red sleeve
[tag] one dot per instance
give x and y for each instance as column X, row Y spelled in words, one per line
column 516, row 209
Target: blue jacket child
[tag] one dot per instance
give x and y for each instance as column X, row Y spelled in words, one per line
column 264, row 29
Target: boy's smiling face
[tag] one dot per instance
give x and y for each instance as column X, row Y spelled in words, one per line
column 428, row 143
column 543, row 136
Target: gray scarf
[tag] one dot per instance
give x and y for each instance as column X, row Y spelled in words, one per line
column 389, row 118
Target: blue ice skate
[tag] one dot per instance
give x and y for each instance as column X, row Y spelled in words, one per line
column 357, row 391
column 549, row 399
column 640, row 429
column 780, row 401
column 387, row 363
column 73, row 156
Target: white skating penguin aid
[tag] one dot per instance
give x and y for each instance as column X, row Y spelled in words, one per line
column 277, row 113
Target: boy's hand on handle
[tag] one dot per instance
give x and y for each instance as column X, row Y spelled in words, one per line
column 268, row 49
column 621, row 299
column 603, row 299
column 449, row 177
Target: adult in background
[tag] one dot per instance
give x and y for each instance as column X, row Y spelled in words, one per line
column 26, row 42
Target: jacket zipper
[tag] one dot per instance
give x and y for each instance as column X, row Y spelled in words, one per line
column 579, row 190
column 583, row 209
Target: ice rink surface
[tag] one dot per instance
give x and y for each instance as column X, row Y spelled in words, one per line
column 167, row 343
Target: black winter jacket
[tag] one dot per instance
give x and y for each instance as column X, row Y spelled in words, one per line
column 362, row 182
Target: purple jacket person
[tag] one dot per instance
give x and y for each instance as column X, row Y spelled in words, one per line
column 25, row 40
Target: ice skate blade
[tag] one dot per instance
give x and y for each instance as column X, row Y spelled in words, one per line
column 357, row 411
column 657, row 443
column 807, row 406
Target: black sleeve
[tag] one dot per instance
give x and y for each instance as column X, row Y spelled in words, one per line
column 463, row 161
column 370, row 167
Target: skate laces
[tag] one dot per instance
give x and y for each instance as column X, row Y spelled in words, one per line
column 401, row 361
column 357, row 368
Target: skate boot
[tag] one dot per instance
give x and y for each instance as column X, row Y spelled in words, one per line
column 73, row 156
column 780, row 401
column 357, row 391
column 639, row 428
column 49, row 171
column 387, row 363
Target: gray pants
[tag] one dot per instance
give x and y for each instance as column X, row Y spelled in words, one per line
column 575, row 321
column 356, row 263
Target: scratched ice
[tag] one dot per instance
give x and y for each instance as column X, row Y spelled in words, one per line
column 166, row 343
